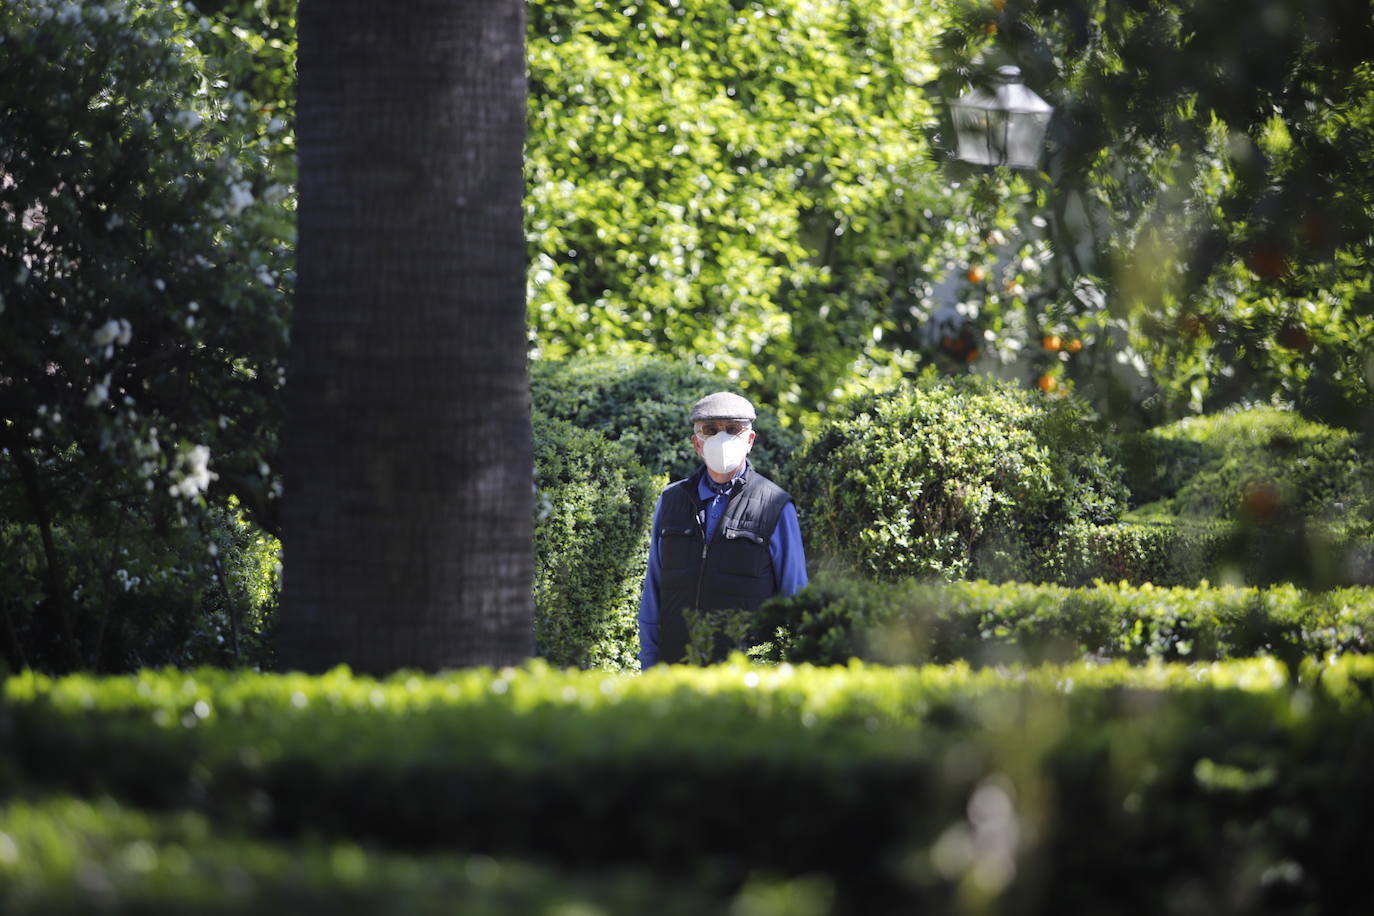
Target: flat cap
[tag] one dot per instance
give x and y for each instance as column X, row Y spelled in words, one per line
column 722, row 406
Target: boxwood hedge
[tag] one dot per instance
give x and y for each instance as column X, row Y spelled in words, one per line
column 591, row 543
column 1229, row 787
column 836, row 619
column 952, row 478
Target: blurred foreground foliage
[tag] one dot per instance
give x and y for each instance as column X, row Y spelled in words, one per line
column 1226, row 787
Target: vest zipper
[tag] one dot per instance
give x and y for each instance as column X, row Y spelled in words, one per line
column 701, row 570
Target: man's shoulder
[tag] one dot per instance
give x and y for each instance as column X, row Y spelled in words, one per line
column 766, row 485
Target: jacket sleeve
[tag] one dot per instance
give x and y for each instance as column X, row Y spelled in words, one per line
column 789, row 557
column 648, row 600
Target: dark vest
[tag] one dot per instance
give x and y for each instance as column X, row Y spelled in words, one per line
column 734, row 571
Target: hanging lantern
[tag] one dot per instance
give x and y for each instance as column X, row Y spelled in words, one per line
column 1003, row 127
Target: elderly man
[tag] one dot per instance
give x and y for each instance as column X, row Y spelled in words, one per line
column 725, row 538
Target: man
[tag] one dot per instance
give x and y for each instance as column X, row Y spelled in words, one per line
column 725, row 538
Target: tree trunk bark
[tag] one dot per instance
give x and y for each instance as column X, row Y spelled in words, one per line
column 408, row 504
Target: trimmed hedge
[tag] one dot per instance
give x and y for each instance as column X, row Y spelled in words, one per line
column 834, row 620
column 1252, row 463
column 69, row 856
column 1058, row 789
column 594, row 503
column 1164, row 552
column 642, row 402
column 952, row 478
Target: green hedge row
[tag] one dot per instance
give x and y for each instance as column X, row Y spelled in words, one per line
column 69, row 856
column 836, row 619
column 1184, row 789
column 1183, row 551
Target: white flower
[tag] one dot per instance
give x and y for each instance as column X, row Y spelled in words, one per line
column 114, row 331
column 187, row 119
column 69, row 12
column 159, row 284
column 106, row 333
column 239, row 197
column 275, row 125
column 98, row 394
column 192, row 474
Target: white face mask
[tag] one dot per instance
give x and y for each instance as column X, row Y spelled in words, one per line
column 724, row 452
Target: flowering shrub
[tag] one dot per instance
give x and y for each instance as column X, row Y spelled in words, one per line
column 145, row 272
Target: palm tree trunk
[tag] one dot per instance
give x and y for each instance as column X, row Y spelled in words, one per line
column 407, row 513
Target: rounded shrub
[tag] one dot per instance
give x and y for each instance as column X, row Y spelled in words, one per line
column 1256, row 460
column 591, row 544
column 642, row 402
column 951, row 478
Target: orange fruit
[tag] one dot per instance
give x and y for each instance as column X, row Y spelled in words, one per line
column 1052, row 342
column 976, row 274
column 1048, row 383
column 1074, row 345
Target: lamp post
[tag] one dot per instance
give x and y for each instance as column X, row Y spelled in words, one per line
column 1003, row 127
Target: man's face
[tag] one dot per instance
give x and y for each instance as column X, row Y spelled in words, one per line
column 705, row 429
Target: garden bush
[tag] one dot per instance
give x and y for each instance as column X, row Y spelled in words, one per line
column 591, row 544
column 1249, row 463
column 643, row 403
column 953, row 478
column 1163, row 551
column 1266, row 495
column 147, row 242
column 910, row 622
column 145, row 589
column 1054, row 789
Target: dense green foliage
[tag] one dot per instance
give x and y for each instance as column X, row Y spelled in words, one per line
column 908, row 788
column 744, row 184
column 146, row 234
column 1205, row 180
column 908, row 622
column 643, row 403
column 1262, row 492
column 591, row 545
column 1257, row 461
column 948, row 479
